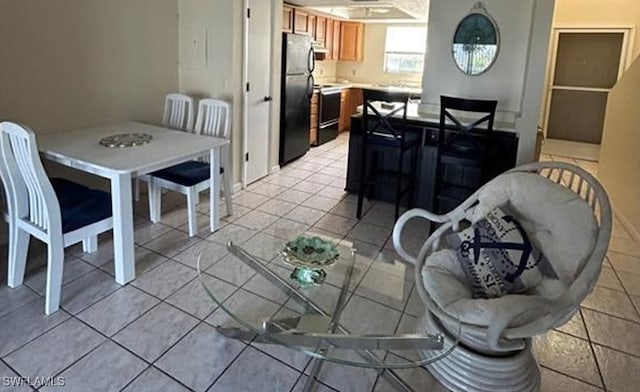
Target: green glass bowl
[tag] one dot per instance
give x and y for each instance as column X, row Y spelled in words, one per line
column 310, row 252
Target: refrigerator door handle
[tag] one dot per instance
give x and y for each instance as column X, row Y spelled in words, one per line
column 310, row 83
column 311, row 60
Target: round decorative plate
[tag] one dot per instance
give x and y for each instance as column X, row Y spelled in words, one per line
column 310, row 252
column 126, row 140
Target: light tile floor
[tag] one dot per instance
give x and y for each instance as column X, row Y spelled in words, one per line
column 156, row 333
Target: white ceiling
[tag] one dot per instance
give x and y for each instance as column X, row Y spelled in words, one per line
column 415, row 8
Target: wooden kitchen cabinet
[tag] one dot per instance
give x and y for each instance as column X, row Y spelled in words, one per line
column 351, row 41
column 343, row 124
column 321, row 29
column 313, row 130
column 300, row 21
column 328, row 39
column 335, row 47
column 311, row 26
column 349, row 102
column 287, row 19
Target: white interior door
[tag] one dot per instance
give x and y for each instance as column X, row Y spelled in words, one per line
column 257, row 95
column 586, row 64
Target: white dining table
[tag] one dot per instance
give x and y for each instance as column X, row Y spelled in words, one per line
column 80, row 149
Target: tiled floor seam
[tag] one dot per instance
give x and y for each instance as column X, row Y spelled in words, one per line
column 635, row 308
column 36, row 337
column 593, row 351
column 601, row 387
column 246, row 346
column 5, row 363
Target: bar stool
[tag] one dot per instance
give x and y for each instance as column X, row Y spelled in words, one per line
column 461, row 153
column 385, row 146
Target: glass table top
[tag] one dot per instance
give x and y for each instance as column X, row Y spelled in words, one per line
column 363, row 314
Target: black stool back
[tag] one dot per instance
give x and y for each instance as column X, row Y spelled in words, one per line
column 384, row 132
column 460, row 150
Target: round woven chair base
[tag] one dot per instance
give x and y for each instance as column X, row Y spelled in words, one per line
column 465, row 370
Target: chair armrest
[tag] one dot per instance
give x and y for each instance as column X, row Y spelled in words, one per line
column 399, row 226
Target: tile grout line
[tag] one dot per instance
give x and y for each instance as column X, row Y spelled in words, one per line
column 593, row 351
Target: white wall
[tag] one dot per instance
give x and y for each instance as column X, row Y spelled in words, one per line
column 210, row 59
column 75, row 63
column 212, row 67
column 619, row 166
column 516, row 79
column 594, row 13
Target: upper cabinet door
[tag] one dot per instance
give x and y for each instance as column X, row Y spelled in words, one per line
column 311, row 26
column 351, row 41
column 301, row 22
column 287, row 19
column 321, row 29
column 328, row 39
column 335, row 48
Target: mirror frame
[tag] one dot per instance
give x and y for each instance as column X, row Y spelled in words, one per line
column 478, row 8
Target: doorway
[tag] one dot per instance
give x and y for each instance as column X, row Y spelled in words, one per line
column 585, row 65
column 258, row 23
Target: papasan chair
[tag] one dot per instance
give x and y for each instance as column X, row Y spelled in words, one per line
column 564, row 214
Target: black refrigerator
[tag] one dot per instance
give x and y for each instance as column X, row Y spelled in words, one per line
column 298, row 62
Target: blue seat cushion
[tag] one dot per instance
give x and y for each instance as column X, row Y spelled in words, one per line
column 90, row 206
column 187, row 173
column 67, row 191
column 391, row 141
column 79, row 205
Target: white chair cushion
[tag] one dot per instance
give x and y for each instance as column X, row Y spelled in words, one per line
column 559, row 222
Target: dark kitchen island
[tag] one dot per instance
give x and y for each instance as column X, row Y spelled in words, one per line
column 501, row 147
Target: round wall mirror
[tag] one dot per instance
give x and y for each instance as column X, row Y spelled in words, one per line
column 476, row 42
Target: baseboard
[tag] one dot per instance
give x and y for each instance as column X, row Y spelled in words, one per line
column 633, row 232
column 237, row 187
column 274, row 169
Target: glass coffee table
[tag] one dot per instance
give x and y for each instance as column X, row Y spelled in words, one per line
column 336, row 305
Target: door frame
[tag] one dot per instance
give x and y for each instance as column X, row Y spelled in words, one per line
column 245, row 79
column 584, row 150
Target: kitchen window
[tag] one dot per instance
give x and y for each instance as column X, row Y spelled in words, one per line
column 404, row 49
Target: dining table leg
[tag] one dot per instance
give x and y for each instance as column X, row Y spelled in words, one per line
column 123, row 236
column 214, row 190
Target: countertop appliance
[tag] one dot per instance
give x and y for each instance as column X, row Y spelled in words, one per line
column 298, row 63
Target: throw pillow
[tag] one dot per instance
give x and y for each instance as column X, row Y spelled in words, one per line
column 498, row 257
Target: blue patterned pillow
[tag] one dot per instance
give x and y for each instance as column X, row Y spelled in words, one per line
column 498, row 258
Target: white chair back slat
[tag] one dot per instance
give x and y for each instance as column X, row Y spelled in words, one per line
column 20, row 149
column 560, row 177
column 572, row 180
column 178, row 112
column 594, row 199
column 214, row 120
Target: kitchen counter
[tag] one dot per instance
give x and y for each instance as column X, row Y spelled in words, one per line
column 432, row 119
column 374, row 86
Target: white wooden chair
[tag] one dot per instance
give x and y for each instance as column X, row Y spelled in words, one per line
column 58, row 212
column 178, row 114
column 191, row 178
column 496, row 355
